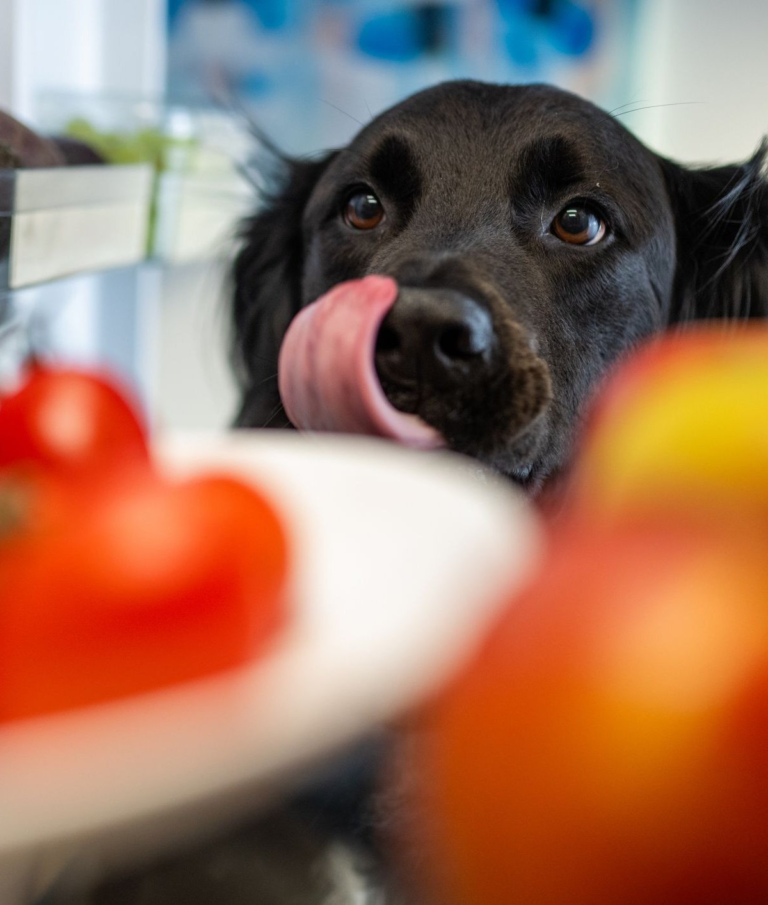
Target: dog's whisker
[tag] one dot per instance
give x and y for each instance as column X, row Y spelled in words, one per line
column 655, row 106
column 633, row 100
column 606, row 170
column 237, row 106
column 346, row 113
column 275, row 412
column 628, row 104
column 266, row 380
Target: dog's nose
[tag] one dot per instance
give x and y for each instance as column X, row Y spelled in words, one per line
column 433, row 337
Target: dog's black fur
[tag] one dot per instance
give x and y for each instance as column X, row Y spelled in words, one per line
column 471, row 177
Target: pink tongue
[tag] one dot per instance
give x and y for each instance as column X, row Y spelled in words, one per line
column 326, row 369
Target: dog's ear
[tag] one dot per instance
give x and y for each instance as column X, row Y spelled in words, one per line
column 721, row 220
column 267, row 288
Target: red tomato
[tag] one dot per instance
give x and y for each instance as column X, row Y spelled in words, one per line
column 152, row 584
column 610, row 742
column 75, row 424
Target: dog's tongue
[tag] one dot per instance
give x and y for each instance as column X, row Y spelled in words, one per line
column 326, row 369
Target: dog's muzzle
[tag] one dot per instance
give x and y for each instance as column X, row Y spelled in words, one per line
column 433, row 340
column 419, row 365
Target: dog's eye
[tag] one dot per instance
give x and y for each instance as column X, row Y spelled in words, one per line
column 579, row 224
column 363, row 210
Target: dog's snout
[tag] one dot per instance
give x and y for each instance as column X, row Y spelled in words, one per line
column 433, row 337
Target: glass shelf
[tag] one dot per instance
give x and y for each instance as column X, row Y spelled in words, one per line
column 60, row 222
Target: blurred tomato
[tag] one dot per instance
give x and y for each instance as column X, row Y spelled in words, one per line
column 34, row 505
column 610, row 742
column 151, row 584
column 75, row 424
column 680, row 430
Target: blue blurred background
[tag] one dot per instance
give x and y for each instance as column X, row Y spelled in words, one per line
column 311, row 71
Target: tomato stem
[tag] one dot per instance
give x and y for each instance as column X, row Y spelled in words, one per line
column 13, row 505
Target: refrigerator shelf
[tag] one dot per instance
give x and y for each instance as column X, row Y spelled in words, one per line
column 63, row 221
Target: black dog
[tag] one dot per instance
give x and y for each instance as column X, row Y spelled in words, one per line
column 534, row 240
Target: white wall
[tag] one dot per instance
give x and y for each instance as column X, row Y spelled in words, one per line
column 9, row 47
column 192, row 385
column 79, row 46
column 709, row 58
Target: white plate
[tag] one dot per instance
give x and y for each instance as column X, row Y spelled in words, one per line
column 401, row 560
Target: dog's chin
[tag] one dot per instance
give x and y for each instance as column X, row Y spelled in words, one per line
column 511, row 441
column 533, row 479
column 521, row 462
column 526, row 471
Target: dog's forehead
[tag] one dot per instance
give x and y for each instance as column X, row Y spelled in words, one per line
column 464, row 125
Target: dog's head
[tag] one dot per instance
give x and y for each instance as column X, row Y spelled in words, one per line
column 534, row 240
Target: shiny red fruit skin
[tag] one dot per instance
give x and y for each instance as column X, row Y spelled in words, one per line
column 610, row 741
column 74, row 424
column 151, row 585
